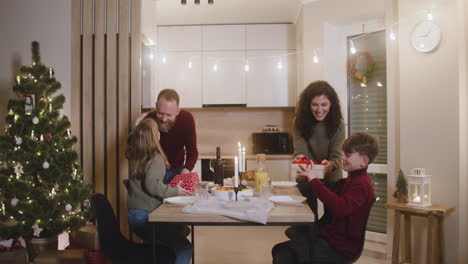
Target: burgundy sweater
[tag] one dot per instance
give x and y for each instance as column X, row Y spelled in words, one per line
column 180, row 139
column 349, row 204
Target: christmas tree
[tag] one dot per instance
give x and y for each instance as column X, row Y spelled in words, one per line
column 42, row 192
column 401, row 192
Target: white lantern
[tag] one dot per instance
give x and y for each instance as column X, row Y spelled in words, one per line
column 419, row 188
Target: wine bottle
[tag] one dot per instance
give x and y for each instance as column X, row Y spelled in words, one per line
column 218, row 168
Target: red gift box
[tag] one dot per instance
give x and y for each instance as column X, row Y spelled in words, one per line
column 190, row 181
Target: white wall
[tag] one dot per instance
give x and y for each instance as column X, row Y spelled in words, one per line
column 23, row 21
column 430, row 115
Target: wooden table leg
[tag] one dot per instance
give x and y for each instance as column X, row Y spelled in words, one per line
column 396, row 238
column 407, row 229
column 441, row 240
column 430, row 240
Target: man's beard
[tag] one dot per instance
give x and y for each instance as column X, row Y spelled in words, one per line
column 165, row 127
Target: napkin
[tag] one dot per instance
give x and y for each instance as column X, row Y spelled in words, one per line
column 251, row 209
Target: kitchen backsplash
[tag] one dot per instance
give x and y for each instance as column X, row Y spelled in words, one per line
column 225, row 127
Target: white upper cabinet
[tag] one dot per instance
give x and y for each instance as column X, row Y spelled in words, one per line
column 180, row 38
column 271, row 78
column 223, row 37
column 271, row 37
column 224, row 77
column 182, row 71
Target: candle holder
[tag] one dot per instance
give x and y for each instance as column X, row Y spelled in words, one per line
column 419, row 188
column 236, row 190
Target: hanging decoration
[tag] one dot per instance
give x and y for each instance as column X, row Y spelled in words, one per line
column 18, row 140
column 29, row 103
column 35, row 120
column 45, row 165
column 361, row 66
column 14, row 201
column 68, row 207
column 87, row 204
column 18, row 169
column 37, row 230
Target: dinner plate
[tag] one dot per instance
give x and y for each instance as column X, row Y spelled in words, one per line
column 287, row 199
column 180, row 200
column 284, row 184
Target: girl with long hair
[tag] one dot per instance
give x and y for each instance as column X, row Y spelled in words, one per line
column 146, row 189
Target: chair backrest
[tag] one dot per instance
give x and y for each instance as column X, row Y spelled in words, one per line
column 111, row 241
column 363, row 239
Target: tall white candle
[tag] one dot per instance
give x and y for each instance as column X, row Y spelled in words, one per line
column 236, row 172
column 239, row 154
column 50, row 73
column 243, row 159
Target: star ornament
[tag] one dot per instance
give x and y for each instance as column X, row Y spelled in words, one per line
column 37, row 230
column 14, row 201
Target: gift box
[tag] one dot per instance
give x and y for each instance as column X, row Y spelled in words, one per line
column 85, row 237
column 317, row 168
column 190, row 181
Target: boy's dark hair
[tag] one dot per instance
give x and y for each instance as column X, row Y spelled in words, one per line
column 362, row 143
column 168, row 94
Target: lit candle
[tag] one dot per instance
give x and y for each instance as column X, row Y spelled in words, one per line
column 42, row 138
column 243, row 159
column 239, row 153
column 417, row 199
column 236, row 172
column 68, row 133
column 18, row 80
column 50, row 73
column 50, row 108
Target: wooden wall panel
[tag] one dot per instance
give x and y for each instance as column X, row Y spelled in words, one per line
column 123, row 106
column 135, row 37
column 106, row 91
column 87, row 91
column 75, row 117
column 111, row 104
column 99, row 94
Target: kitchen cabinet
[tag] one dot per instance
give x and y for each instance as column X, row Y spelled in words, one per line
column 271, row 37
column 271, row 78
column 180, row 38
column 278, row 169
column 182, row 71
column 224, row 77
column 223, row 37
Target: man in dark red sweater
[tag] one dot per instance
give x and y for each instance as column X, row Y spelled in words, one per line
column 339, row 239
column 178, row 134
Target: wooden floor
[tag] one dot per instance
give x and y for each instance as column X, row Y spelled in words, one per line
column 247, row 244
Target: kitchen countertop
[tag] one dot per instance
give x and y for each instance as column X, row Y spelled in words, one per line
column 247, row 156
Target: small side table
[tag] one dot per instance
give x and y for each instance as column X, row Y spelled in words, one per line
column 435, row 215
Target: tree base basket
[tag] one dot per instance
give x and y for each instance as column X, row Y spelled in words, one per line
column 37, row 245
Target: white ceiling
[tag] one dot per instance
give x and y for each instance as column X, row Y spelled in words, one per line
column 171, row 12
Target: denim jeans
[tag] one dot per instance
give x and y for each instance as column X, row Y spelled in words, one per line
column 170, row 174
column 171, row 235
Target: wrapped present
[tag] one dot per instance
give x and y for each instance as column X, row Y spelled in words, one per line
column 190, row 181
column 85, row 237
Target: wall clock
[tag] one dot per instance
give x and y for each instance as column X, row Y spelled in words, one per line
column 426, row 36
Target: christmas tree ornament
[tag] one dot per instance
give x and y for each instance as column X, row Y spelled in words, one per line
column 3, row 209
column 52, row 193
column 50, row 73
column 18, row 140
column 35, row 120
column 87, row 204
column 14, row 201
column 18, row 169
column 48, row 137
column 56, row 186
column 42, row 138
column 11, row 112
column 74, row 174
column 32, row 135
column 16, row 118
column 37, row 230
column 68, row 133
column 29, row 103
column 68, row 207
column 18, row 80
column 45, row 165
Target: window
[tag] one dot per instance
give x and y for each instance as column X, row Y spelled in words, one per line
column 367, row 110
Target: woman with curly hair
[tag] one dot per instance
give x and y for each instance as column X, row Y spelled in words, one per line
column 319, row 129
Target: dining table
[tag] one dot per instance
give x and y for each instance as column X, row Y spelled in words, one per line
column 281, row 215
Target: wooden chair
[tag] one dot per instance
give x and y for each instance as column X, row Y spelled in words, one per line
column 115, row 246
